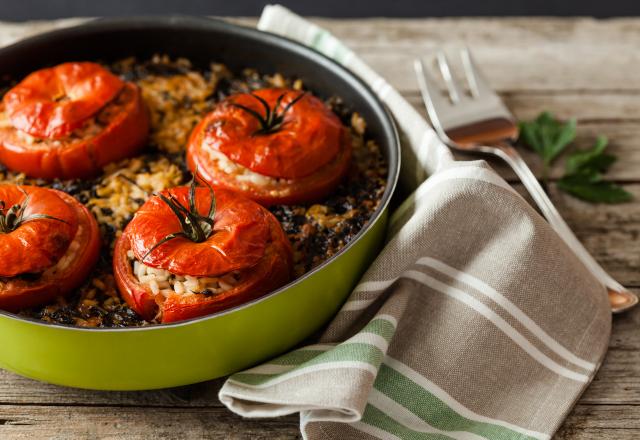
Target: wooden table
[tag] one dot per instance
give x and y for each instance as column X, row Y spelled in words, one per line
column 574, row 67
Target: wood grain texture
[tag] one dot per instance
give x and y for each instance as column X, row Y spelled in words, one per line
column 580, row 68
column 137, row 423
column 532, row 54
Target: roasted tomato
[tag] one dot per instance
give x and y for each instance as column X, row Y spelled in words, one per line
column 189, row 252
column 49, row 243
column 276, row 146
column 69, row 121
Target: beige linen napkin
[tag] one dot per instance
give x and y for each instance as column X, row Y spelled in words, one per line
column 474, row 322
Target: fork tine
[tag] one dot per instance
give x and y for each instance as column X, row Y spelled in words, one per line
column 431, row 96
column 450, row 81
column 477, row 84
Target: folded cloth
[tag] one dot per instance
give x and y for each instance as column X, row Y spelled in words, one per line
column 475, row 321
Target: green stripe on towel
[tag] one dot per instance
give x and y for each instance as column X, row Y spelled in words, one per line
column 434, row 411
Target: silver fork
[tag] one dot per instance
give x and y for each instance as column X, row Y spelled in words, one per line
column 479, row 122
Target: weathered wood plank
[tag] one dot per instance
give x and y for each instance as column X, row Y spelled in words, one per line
column 565, row 68
column 615, row 422
column 585, row 106
column 618, row 381
column 516, row 54
column 402, row 33
column 17, row 390
column 81, row 423
column 12, row 32
column 611, row 422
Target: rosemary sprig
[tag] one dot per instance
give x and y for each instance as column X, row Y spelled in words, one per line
column 194, row 227
column 272, row 120
column 13, row 217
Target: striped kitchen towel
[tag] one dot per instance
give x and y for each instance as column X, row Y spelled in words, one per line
column 474, row 322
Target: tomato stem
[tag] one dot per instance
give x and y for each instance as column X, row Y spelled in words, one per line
column 195, row 227
column 13, row 217
column 272, row 121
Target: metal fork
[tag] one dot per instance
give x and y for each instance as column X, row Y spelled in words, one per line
column 479, row 122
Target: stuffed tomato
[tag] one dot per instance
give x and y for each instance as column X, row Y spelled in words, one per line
column 190, row 252
column 276, row 146
column 69, row 121
column 49, row 243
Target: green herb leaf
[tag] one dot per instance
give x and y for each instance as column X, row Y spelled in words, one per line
column 547, row 136
column 593, row 159
column 583, row 178
column 583, row 187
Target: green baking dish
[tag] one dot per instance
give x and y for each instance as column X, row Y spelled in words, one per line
column 192, row 351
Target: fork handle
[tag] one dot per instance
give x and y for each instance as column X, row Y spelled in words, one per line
column 620, row 298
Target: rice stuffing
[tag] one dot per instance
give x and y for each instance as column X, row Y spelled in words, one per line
column 161, row 281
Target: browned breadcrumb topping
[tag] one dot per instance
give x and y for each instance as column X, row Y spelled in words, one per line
column 178, row 95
